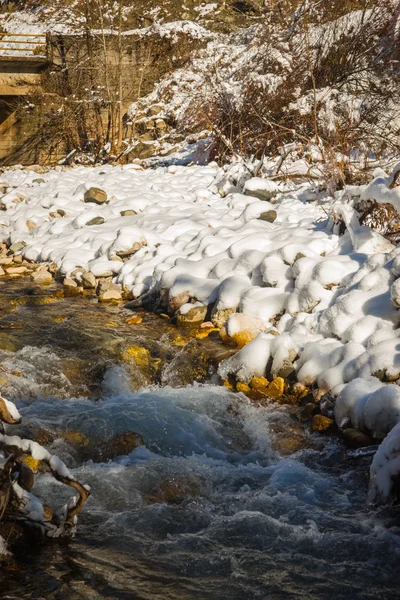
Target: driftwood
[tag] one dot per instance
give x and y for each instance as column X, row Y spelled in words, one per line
column 17, row 479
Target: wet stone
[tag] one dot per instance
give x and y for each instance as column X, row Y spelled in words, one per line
column 356, row 439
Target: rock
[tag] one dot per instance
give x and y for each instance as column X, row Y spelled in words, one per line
column 18, row 259
column 307, row 412
column 96, row 195
column 16, row 270
column 259, row 383
column 128, row 213
column 6, row 260
column 227, row 384
column 161, row 125
column 263, row 189
column 192, row 314
column 96, row 221
column 2, row 272
column 176, row 302
column 42, row 277
column 276, row 388
column 356, row 439
column 39, row 180
column 286, row 369
column 190, row 364
column 219, row 317
column 138, row 354
column 105, row 284
column 155, row 110
column 241, row 329
column 119, row 445
column 70, row 283
column 269, row 216
column 135, row 320
column 144, row 150
column 174, row 490
column 243, row 387
column 88, row 280
column 31, row 225
column 17, row 247
column 321, row 423
column 134, row 248
column 111, row 295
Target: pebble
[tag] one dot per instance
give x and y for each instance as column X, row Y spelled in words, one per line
column 321, row 423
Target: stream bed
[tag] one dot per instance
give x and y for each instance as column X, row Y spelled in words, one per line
column 207, row 507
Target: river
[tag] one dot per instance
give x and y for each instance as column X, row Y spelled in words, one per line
column 207, row 508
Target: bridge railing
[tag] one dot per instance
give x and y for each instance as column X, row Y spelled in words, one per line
column 23, row 44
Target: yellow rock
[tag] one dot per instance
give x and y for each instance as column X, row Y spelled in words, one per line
column 321, row 423
column 259, row 383
column 136, row 320
column 242, row 338
column 60, row 319
column 45, row 300
column 204, row 333
column 227, row 384
column 179, row 341
column 76, row 437
column 276, row 388
column 140, row 355
column 31, row 462
column 242, row 387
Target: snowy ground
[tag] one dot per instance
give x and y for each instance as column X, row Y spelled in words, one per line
column 298, row 289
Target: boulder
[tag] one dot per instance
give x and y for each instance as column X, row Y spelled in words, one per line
column 96, row 195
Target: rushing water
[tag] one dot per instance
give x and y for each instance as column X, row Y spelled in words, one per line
column 205, row 509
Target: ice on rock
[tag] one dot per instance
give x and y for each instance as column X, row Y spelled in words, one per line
column 351, row 401
column 368, row 404
column 385, row 468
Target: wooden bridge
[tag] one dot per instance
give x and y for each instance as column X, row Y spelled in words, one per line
column 22, row 58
